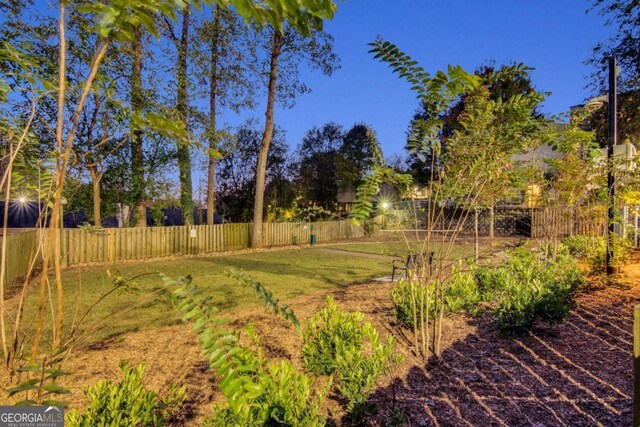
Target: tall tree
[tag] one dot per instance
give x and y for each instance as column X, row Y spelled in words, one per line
column 182, row 106
column 213, row 93
column 137, row 147
column 287, row 50
column 219, row 49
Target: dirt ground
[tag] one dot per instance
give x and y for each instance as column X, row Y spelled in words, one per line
column 576, row 374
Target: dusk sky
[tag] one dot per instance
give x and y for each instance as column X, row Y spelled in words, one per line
column 553, row 36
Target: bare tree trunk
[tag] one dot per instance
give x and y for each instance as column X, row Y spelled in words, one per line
column 137, row 150
column 184, row 158
column 261, row 170
column 492, row 220
column 476, row 234
column 213, row 84
column 95, row 184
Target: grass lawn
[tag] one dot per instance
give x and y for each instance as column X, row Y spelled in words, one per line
column 286, row 273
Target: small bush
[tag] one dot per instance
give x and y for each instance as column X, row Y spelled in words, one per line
column 594, row 251
column 341, row 344
column 286, row 399
column 529, row 287
column 461, row 294
column 403, row 301
column 127, row 403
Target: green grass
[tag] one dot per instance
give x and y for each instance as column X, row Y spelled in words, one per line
column 402, row 249
column 285, row 273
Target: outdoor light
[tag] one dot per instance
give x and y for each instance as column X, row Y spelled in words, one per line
column 22, row 200
column 385, row 205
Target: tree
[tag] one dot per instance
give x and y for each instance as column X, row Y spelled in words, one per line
column 287, row 49
column 623, row 16
column 316, row 164
column 220, row 47
column 355, row 156
column 515, row 103
column 237, row 168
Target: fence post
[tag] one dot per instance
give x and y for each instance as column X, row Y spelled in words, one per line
column 636, row 366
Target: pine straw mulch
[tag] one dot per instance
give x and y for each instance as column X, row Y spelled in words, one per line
column 576, row 374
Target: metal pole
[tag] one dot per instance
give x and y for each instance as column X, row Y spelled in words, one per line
column 612, row 140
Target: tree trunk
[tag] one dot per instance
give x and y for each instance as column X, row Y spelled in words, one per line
column 137, row 151
column 95, row 183
column 184, row 158
column 213, row 88
column 492, row 220
column 261, row 169
column 476, row 234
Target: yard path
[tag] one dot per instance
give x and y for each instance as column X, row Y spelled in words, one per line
column 353, row 253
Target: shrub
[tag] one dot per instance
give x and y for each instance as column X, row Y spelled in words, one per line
column 258, row 393
column 287, row 399
column 127, row 403
column 461, row 294
column 403, row 302
column 341, row 344
column 594, row 251
column 529, row 288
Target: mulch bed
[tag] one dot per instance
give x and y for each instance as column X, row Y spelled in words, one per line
column 576, row 374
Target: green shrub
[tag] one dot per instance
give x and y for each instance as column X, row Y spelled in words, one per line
column 529, row 287
column 461, row 294
column 342, row 344
column 403, row 302
column 287, row 399
column 579, row 246
column 127, row 403
column 594, row 251
column 258, row 393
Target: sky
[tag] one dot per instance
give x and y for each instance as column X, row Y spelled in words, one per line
column 553, row 36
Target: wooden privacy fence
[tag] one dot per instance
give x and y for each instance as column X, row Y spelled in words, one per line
column 559, row 222
column 86, row 246
column 21, row 249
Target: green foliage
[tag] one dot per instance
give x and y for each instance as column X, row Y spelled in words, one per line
column 40, row 385
column 127, row 403
column 258, row 393
column 461, row 293
column 403, row 296
column 342, row 344
column 437, row 91
column 270, row 301
column 530, row 287
column 594, row 251
column 367, row 192
column 287, row 400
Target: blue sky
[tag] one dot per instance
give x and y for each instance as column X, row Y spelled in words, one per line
column 554, row 37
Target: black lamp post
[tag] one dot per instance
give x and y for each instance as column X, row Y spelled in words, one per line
column 612, row 140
